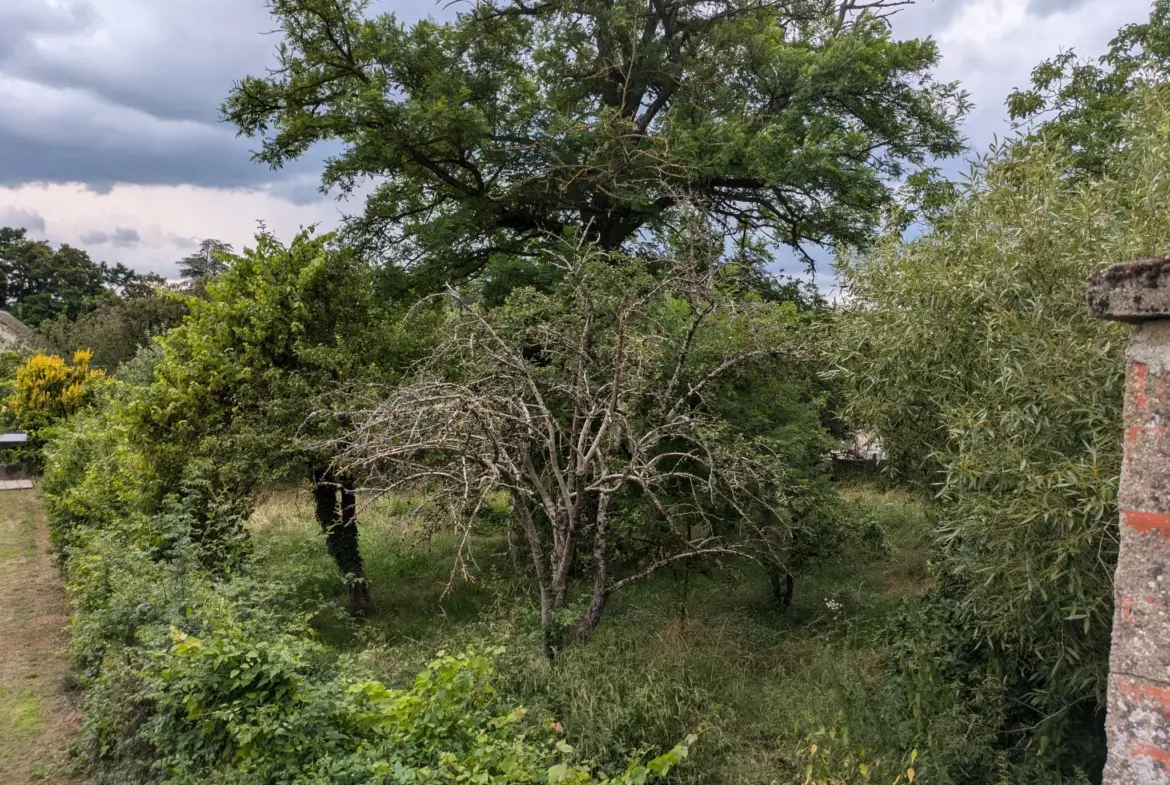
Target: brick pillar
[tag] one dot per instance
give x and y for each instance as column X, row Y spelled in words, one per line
column 1138, row 719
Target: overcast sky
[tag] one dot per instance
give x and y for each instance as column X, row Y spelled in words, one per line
column 109, row 132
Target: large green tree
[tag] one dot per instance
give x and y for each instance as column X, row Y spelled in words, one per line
column 207, row 262
column 788, row 121
column 238, row 379
column 1085, row 102
column 39, row 283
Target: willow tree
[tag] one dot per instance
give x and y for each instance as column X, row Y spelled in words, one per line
column 970, row 352
column 522, row 119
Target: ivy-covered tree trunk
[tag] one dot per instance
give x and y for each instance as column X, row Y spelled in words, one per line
column 341, row 533
column 783, row 586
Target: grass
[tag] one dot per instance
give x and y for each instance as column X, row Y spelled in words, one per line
column 22, row 714
column 20, row 525
column 36, row 719
column 677, row 653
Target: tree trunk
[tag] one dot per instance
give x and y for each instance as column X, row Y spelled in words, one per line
column 564, row 556
column 341, row 534
column 349, row 552
column 592, row 616
column 520, row 504
column 783, row 585
column 547, row 645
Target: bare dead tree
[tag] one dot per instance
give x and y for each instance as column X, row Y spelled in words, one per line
column 572, row 401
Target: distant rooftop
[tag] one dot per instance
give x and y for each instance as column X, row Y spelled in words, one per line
column 16, row 329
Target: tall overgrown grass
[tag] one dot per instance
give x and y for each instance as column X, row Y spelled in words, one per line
column 703, row 648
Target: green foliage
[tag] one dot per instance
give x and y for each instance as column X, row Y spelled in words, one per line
column 97, row 476
column 517, row 121
column 114, row 332
column 9, row 363
column 1086, row 104
column 39, row 284
column 835, row 758
column 972, row 354
column 46, row 391
column 236, row 381
column 199, row 669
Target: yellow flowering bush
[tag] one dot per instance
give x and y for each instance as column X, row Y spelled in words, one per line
column 47, row 389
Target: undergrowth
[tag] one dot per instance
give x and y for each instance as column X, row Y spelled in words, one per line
column 701, row 648
column 200, row 666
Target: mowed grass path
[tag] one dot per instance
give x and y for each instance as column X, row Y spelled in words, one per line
column 37, row 717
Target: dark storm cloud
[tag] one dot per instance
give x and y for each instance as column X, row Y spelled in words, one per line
column 175, row 60
column 214, row 160
column 301, row 190
column 128, row 91
column 124, row 236
column 105, row 92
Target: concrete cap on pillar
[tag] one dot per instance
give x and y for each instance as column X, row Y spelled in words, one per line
column 1132, row 292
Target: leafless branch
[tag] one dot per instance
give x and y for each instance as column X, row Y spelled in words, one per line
column 567, row 402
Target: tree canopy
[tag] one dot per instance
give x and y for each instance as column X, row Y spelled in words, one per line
column 1086, row 103
column 39, row 283
column 787, row 121
column 207, row 262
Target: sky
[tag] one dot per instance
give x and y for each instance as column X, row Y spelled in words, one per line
column 110, row 138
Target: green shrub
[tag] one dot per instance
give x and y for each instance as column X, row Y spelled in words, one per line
column 971, row 353
column 201, row 668
column 115, row 331
column 831, row 756
column 9, row 362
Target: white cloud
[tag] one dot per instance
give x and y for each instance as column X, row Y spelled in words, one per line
column 165, row 220
column 991, row 46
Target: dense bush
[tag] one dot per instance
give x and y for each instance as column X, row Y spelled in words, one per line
column 971, row 353
column 200, row 670
column 9, row 363
column 115, row 331
column 45, row 391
